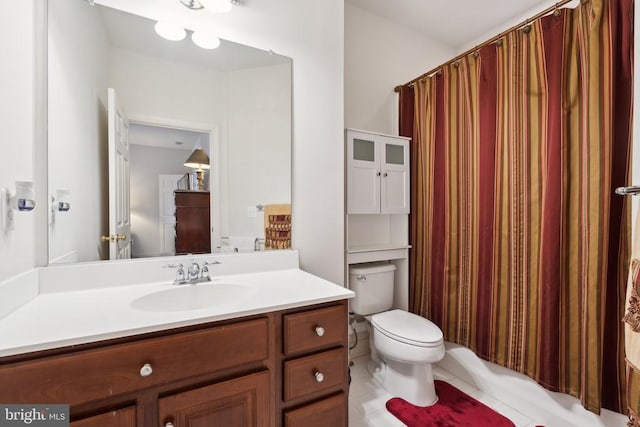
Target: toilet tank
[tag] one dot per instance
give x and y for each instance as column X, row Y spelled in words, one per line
column 373, row 285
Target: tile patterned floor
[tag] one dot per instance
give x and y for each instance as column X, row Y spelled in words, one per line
column 367, row 400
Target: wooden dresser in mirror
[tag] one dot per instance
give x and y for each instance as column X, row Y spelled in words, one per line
column 192, row 222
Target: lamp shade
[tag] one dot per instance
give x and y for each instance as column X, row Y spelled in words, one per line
column 198, row 160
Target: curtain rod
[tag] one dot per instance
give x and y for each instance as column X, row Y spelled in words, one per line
column 548, row 10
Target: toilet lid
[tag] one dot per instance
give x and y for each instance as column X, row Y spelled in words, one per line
column 408, row 328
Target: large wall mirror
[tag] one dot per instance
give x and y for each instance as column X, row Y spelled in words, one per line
column 127, row 109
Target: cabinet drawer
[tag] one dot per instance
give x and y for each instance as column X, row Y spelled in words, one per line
column 199, row 199
column 90, row 375
column 311, row 374
column 302, row 330
column 327, row 412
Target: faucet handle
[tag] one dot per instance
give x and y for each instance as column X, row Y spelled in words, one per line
column 180, row 277
column 204, row 272
column 210, row 263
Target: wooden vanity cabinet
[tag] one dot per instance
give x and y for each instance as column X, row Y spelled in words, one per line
column 314, row 362
column 125, row 417
column 267, row 370
column 126, row 383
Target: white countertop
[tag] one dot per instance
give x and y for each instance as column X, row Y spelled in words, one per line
column 60, row 319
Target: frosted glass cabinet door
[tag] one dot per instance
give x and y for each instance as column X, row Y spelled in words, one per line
column 363, row 174
column 394, row 186
column 377, row 174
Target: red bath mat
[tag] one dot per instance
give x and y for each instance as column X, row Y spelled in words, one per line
column 453, row 409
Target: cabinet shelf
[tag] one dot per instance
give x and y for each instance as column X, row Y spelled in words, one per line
column 372, row 253
column 373, row 248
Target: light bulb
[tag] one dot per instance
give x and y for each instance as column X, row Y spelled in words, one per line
column 170, row 31
column 205, row 40
column 217, row 6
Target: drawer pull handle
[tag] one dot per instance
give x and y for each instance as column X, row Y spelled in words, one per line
column 319, row 376
column 319, row 331
column 146, row 370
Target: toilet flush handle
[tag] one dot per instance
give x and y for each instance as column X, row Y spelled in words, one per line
column 363, row 277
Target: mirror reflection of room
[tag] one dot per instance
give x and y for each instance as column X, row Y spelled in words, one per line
column 159, row 158
column 172, row 97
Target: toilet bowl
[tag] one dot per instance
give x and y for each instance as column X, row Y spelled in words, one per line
column 404, row 346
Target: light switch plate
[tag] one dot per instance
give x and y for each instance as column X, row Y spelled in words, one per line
column 252, row 211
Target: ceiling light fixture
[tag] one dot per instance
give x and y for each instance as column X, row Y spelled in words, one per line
column 170, row 31
column 218, row 6
column 205, row 40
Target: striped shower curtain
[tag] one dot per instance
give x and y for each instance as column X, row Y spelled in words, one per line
column 520, row 247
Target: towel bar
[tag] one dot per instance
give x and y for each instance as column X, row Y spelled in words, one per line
column 628, row 191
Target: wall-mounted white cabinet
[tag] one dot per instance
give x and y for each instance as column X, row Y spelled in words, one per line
column 377, row 217
column 377, row 173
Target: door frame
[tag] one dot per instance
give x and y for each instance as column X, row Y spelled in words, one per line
column 217, row 173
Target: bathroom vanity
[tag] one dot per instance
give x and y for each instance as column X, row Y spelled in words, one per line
column 265, row 370
column 274, row 355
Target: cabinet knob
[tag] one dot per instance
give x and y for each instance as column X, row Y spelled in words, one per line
column 378, row 174
column 146, row 370
column 386, row 174
column 168, row 424
column 319, row 376
column 319, row 331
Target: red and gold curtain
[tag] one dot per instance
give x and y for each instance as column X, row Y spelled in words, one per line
column 520, row 247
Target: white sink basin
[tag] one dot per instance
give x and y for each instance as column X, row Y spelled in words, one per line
column 193, row 297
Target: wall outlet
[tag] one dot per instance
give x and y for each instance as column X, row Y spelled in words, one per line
column 252, row 211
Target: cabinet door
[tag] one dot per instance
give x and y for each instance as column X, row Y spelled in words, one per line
column 125, row 417
column 241, row 402
column 394, row 154
column 363, row 174
column 328, row 412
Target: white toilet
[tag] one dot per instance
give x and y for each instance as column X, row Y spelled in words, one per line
column 403, row 345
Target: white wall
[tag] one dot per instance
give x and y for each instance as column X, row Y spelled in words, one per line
column 78, row 60
column 510, row 23
column 259, row 144
column 147, row 163
column 188, row 93
column 379, row 55
column 17, row 251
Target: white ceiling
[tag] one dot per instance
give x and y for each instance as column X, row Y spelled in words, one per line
column 156, row 136
column 452, row 22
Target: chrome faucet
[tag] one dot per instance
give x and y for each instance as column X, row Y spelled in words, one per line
column 194, row 274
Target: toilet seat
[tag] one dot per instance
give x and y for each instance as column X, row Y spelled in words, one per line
column 408, row 328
